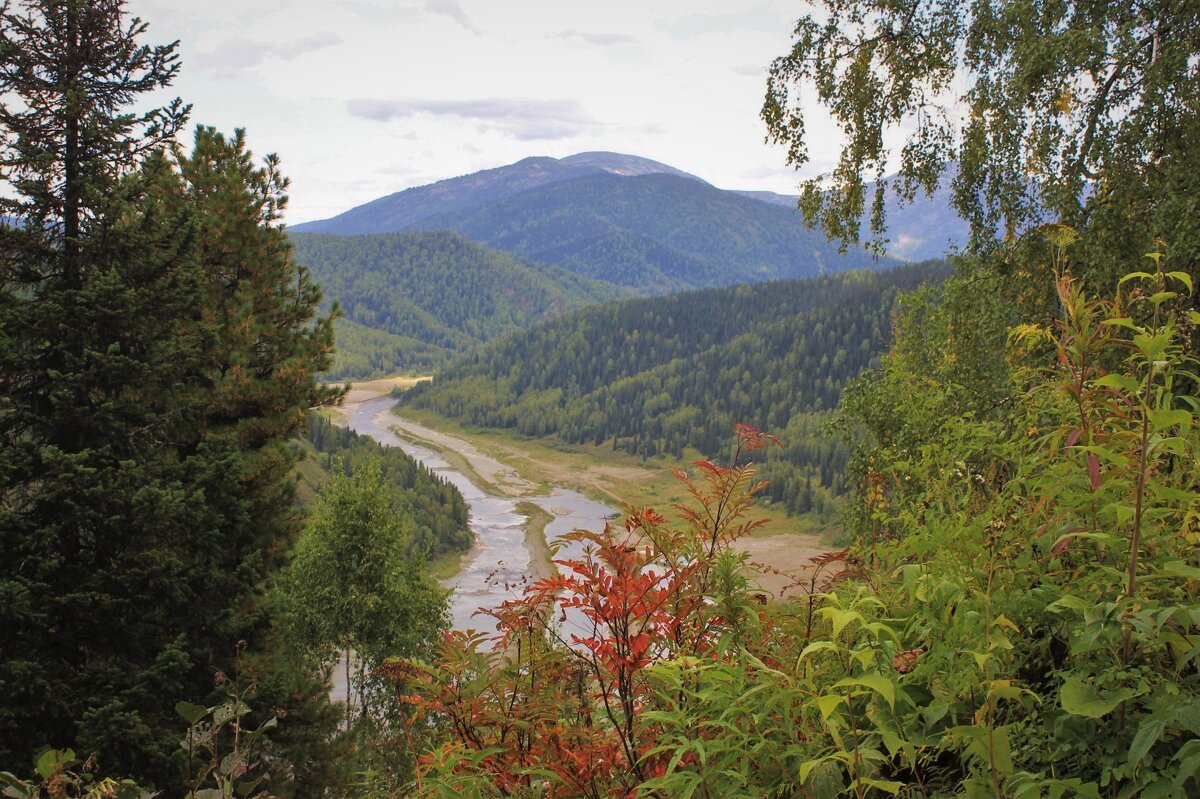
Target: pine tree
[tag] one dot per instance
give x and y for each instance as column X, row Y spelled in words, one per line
column 156, row 349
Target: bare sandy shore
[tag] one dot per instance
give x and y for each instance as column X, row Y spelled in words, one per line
column 373, row 389
column 498, row 477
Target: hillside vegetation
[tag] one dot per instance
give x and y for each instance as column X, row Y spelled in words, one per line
column 663, row 374
column 656, row 233
column 918, row 228
column 414, row 299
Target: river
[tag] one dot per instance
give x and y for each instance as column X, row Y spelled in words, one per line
column 498, row 567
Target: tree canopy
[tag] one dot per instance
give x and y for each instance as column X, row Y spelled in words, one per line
column 1084, row 113
column 355, row 587
column 157, row 350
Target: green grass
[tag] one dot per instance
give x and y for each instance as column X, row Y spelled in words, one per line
column 443, row 567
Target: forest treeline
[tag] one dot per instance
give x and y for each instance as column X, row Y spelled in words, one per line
column 418, row 299
column 434, row 509
column 660, row 375
column 160, row 349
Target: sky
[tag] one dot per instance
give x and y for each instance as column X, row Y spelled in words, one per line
column 363, row 98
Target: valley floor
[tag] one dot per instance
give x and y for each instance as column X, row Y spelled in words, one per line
column 509, row 465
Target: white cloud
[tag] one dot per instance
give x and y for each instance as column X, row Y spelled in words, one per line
column 599, row 39
column 765, row 171
column 762, row 17
column 523, row 118
column 750, row 70
column 451, row 9
column 238, row 55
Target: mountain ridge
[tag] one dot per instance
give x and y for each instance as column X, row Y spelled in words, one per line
column 403, row 209
column 922, row 229
column 655, row 232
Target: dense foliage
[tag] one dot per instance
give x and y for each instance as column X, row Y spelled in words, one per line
column 365, row 352
column 660, row 375
column 435, row 509
column 411, row 286
column 1032, row 635
column 1019, row 615
column 354, row 585
column 157, row 352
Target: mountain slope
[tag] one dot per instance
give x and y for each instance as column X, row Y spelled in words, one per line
column 928, row 227
column 653, row 232
column 617, row 218
column 424, row 296
column 661, row 374
column 405, row 209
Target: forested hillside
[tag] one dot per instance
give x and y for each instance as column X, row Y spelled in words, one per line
column 363, row 351
column 656, row 233
column 416, row 298
column 1018, row 616
column 662, row 374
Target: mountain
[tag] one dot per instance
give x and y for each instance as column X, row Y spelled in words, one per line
column 548, row 209
column 619, row 164
column 616, row 218
column 411, row 300
column 661, row 374
column 405, row 209
column 653, row 232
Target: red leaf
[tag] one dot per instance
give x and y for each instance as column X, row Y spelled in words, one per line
column 750, row 438
column 1093, row 464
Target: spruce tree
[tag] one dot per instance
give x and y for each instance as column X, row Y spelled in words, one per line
column 156, row 349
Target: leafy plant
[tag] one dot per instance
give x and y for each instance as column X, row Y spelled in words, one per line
column 1023, row 625
column 62, row 775
column 224, row 751
column 560, row 702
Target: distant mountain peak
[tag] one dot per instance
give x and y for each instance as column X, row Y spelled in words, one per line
column 622, row 164
column 406, row 209
column 592, row 210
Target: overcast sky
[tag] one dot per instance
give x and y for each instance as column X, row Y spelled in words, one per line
column 362, row 98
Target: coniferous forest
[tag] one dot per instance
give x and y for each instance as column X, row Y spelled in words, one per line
column 408, row 289
column 659, row 375
column 210, row 591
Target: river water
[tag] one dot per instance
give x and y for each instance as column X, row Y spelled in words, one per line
column 498, row 566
